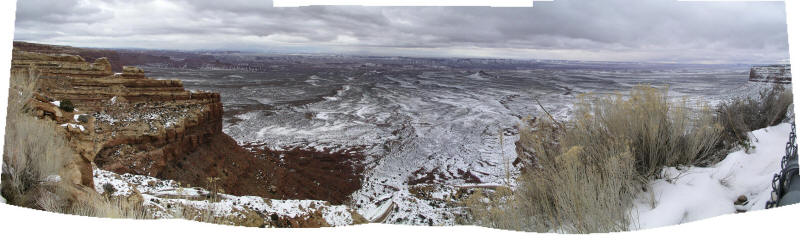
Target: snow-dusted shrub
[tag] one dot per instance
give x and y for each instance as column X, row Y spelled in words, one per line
column 91, row 203
column 33, row 150
column 741, row 115
column 576, row 186
column 659, row 131
column 494, row 208
column 582, row 175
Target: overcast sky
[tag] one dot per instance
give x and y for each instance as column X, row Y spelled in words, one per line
column 618, row 30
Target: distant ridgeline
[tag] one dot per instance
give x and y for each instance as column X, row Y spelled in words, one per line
column 779, row 74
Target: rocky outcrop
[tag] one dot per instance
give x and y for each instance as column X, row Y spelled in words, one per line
column 116, row 58
column 777, row 74
column 157, row 118
column 120, row 57
column 127, row 123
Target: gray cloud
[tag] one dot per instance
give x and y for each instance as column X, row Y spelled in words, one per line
column 65, row 11
column 630, row 30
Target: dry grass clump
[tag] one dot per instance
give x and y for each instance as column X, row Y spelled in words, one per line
column 34, row 151
column 494, row 208
column 67, row 198
column 575, row 188
column 742, row 115
column 659, row 131
column 582, row 176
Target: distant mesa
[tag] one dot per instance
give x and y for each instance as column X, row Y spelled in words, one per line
column 777, row 74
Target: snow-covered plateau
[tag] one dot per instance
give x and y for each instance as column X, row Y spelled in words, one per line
column 428, row 134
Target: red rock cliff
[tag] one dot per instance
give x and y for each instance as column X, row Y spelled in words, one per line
column 127, row 123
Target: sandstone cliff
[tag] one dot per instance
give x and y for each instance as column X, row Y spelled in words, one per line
column 125, row 122
column 777, row 74
column 116, row 58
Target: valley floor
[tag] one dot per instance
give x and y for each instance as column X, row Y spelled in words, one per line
column 686, row 194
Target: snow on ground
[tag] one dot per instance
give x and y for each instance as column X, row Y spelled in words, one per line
column 164, row 195
column 476, row 76
column 76, row 117
column 694, row 193
column 435, row 123
column 71, row 125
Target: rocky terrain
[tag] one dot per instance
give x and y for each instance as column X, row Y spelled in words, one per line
column 128, row 124
column 116, row 58
column 779, row 74
column 398, row 140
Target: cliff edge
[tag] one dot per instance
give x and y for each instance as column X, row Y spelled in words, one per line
column 127, row 123
column 776, row 74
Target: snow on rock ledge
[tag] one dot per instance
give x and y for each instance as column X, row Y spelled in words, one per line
column 166, row 199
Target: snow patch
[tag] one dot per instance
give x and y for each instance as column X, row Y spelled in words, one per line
column 103, row 177
column 71, row 125
column 106, row 118
column 476, row 76
column 161, row 194
column 695, row 193
column 76, row 116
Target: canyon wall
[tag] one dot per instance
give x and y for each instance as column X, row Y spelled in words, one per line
column 125, row 122
column 777, row 74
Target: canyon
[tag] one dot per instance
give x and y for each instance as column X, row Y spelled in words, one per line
column 396, row 140
column 123, row 122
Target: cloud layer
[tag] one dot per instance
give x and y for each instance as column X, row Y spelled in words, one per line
column 616, row 30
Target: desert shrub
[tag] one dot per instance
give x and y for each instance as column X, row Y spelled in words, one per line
column 57, row 198
column 34, row 158
column 742, row 115
column 33, row 150
column 112, row 207
column 584, row 180
column 66, row 105
column 660, row 132
column 109, row 189
column 494, row 208
column 204, row 213
column 581, row 176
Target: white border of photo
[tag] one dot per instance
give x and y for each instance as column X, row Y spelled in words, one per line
column 23, row 229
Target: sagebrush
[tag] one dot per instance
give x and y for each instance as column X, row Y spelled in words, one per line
column 34, row 151
column 742, row 115
column 581, row 176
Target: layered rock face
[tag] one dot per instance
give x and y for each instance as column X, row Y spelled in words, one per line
column 125, row 122
column 128, row 123
column 116, row 58
column 122, row 122
column 777, row 74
